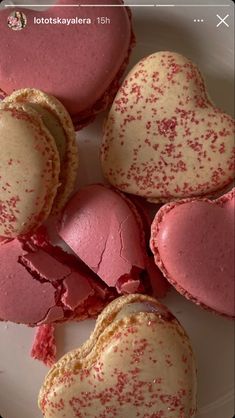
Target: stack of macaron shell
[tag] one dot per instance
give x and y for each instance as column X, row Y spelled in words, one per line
column 104, row 229
column 138, row 362
column 163, row 138
column 193, row 244
column 39, row 160
column 58, row 122
column 80, row 63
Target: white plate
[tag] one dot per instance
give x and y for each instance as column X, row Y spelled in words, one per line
column 171, row 28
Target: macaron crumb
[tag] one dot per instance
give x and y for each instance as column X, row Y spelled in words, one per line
column 44, row 345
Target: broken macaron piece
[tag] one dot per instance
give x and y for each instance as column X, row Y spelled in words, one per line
column 38, row 287
column 104, row 229
column 44, row 345
column 193, row 244
column 138, row 362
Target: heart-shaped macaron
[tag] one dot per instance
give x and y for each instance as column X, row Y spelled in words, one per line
column 38, row 161
column 75, row 53
column 163, row 138
column 137, row 363
column 193, row 245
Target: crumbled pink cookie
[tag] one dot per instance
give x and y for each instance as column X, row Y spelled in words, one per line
column 44, row 345
column 46, row 285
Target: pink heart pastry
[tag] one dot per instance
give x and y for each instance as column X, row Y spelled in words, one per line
column 193, row 245
column 137, row 363
column 163, row 138
column 80, row 62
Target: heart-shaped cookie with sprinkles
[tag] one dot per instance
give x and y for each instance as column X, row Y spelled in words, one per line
column 137, row 363
column 163, row 138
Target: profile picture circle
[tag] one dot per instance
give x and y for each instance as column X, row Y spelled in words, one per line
column 17, row 21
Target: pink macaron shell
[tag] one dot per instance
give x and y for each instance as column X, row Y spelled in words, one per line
column 91, row 57
column 101, row 229
column 55, row 314
column 159, row 285
column 76, row 290
column 46, row 266
column 3, row 240
column 86, row 278
column 23, row 299
column 193, row 244
column 75, row 286
column 37, row 288
column 147, row 211
column 129, row 284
